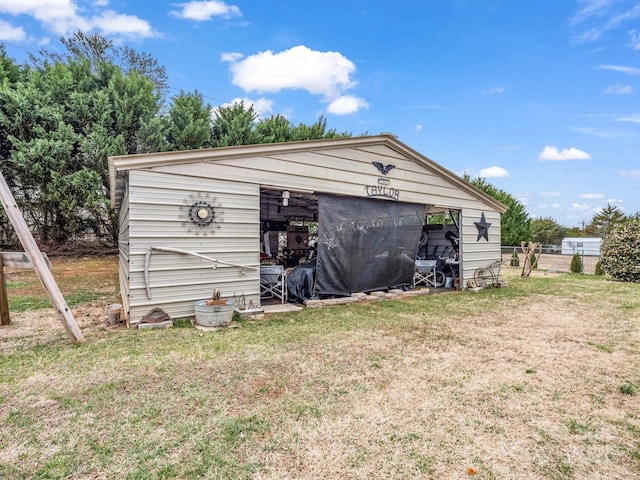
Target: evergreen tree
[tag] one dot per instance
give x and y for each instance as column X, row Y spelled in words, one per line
column 274, row 129
column 152, row 135
column 315, row 131
column 605, row 222
column 189, row 122
column 234, row 125
column 515, row 222
column 60, row 122
column 576, row 264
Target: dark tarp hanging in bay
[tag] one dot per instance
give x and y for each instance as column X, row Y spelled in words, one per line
column 366, row 244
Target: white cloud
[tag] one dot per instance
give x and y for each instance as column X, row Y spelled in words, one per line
column 110, row 22
column 630, row 173
column 327, row 74
column 619, row 89
column 549, row 194
column 202, row 11
column 633, row 118
column 523, row 198
column 494, row 91
column 58, row 16
column 599, row 133
column 9, row 33
column 262, row 106
column 596, row 17
column 552, row 154
column 635, row 40
column 230, row 57
column 346, row 105
column 418, row 127
column 493, row 172
column 581, row 207
column 62, row 17
column 592, row 196
column 320, row 73
column 508, row 148
column 555, row 206
column 622, row 69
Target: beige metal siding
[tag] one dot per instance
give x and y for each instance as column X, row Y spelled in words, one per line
column 477, row 253
column 123, row 247
column 343, row 171
column 158, row 206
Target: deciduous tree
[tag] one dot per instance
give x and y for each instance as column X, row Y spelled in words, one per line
column 547, row 231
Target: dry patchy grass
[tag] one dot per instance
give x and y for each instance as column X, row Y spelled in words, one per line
column 533, row 381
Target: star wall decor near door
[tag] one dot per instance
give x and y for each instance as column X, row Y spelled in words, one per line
column 483, row 228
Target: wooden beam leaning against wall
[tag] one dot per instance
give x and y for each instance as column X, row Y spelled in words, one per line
column 39, row 264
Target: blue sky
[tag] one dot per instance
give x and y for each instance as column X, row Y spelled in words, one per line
column 540, row 97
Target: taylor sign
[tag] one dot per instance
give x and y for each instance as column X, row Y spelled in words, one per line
column 382, row 189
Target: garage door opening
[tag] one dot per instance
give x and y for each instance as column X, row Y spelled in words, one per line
column 331, row 245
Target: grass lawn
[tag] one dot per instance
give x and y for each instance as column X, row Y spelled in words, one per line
column 538, row 380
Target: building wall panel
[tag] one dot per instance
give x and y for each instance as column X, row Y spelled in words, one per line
column 158, row 217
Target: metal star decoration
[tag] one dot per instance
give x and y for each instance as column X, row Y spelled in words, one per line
column 483, row 228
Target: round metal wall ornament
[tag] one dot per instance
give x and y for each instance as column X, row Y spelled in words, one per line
column 203, row 213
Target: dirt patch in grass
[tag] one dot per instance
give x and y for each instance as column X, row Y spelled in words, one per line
column 562, row 263
column 88, row 284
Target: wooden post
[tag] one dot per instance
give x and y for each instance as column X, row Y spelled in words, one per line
column 4, row 300
column 34, row 254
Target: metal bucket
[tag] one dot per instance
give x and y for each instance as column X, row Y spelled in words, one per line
column 214, row 315
column 113, row 313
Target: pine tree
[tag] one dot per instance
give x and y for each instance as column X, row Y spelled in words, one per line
column 576, row 264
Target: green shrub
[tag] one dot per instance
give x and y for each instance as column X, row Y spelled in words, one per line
column 620, row 252
column 576, row 264
column 599, row 270
column 533, row 260
column 515, row 260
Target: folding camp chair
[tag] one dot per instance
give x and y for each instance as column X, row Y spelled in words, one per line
column 426, row 273
column 273, row 282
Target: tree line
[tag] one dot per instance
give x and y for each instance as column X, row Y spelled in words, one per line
column 517, row 225
column 63, row 115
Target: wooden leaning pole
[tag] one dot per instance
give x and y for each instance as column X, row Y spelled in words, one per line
column 39, row 264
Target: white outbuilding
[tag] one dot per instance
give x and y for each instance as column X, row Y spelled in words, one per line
column 357, row 213
column 589, row 246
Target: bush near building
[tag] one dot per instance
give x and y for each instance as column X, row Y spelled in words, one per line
column 620, row 252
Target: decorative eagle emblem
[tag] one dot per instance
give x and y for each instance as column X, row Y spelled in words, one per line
column 383, row 169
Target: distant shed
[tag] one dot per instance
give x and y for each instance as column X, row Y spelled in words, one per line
column 583, row 246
